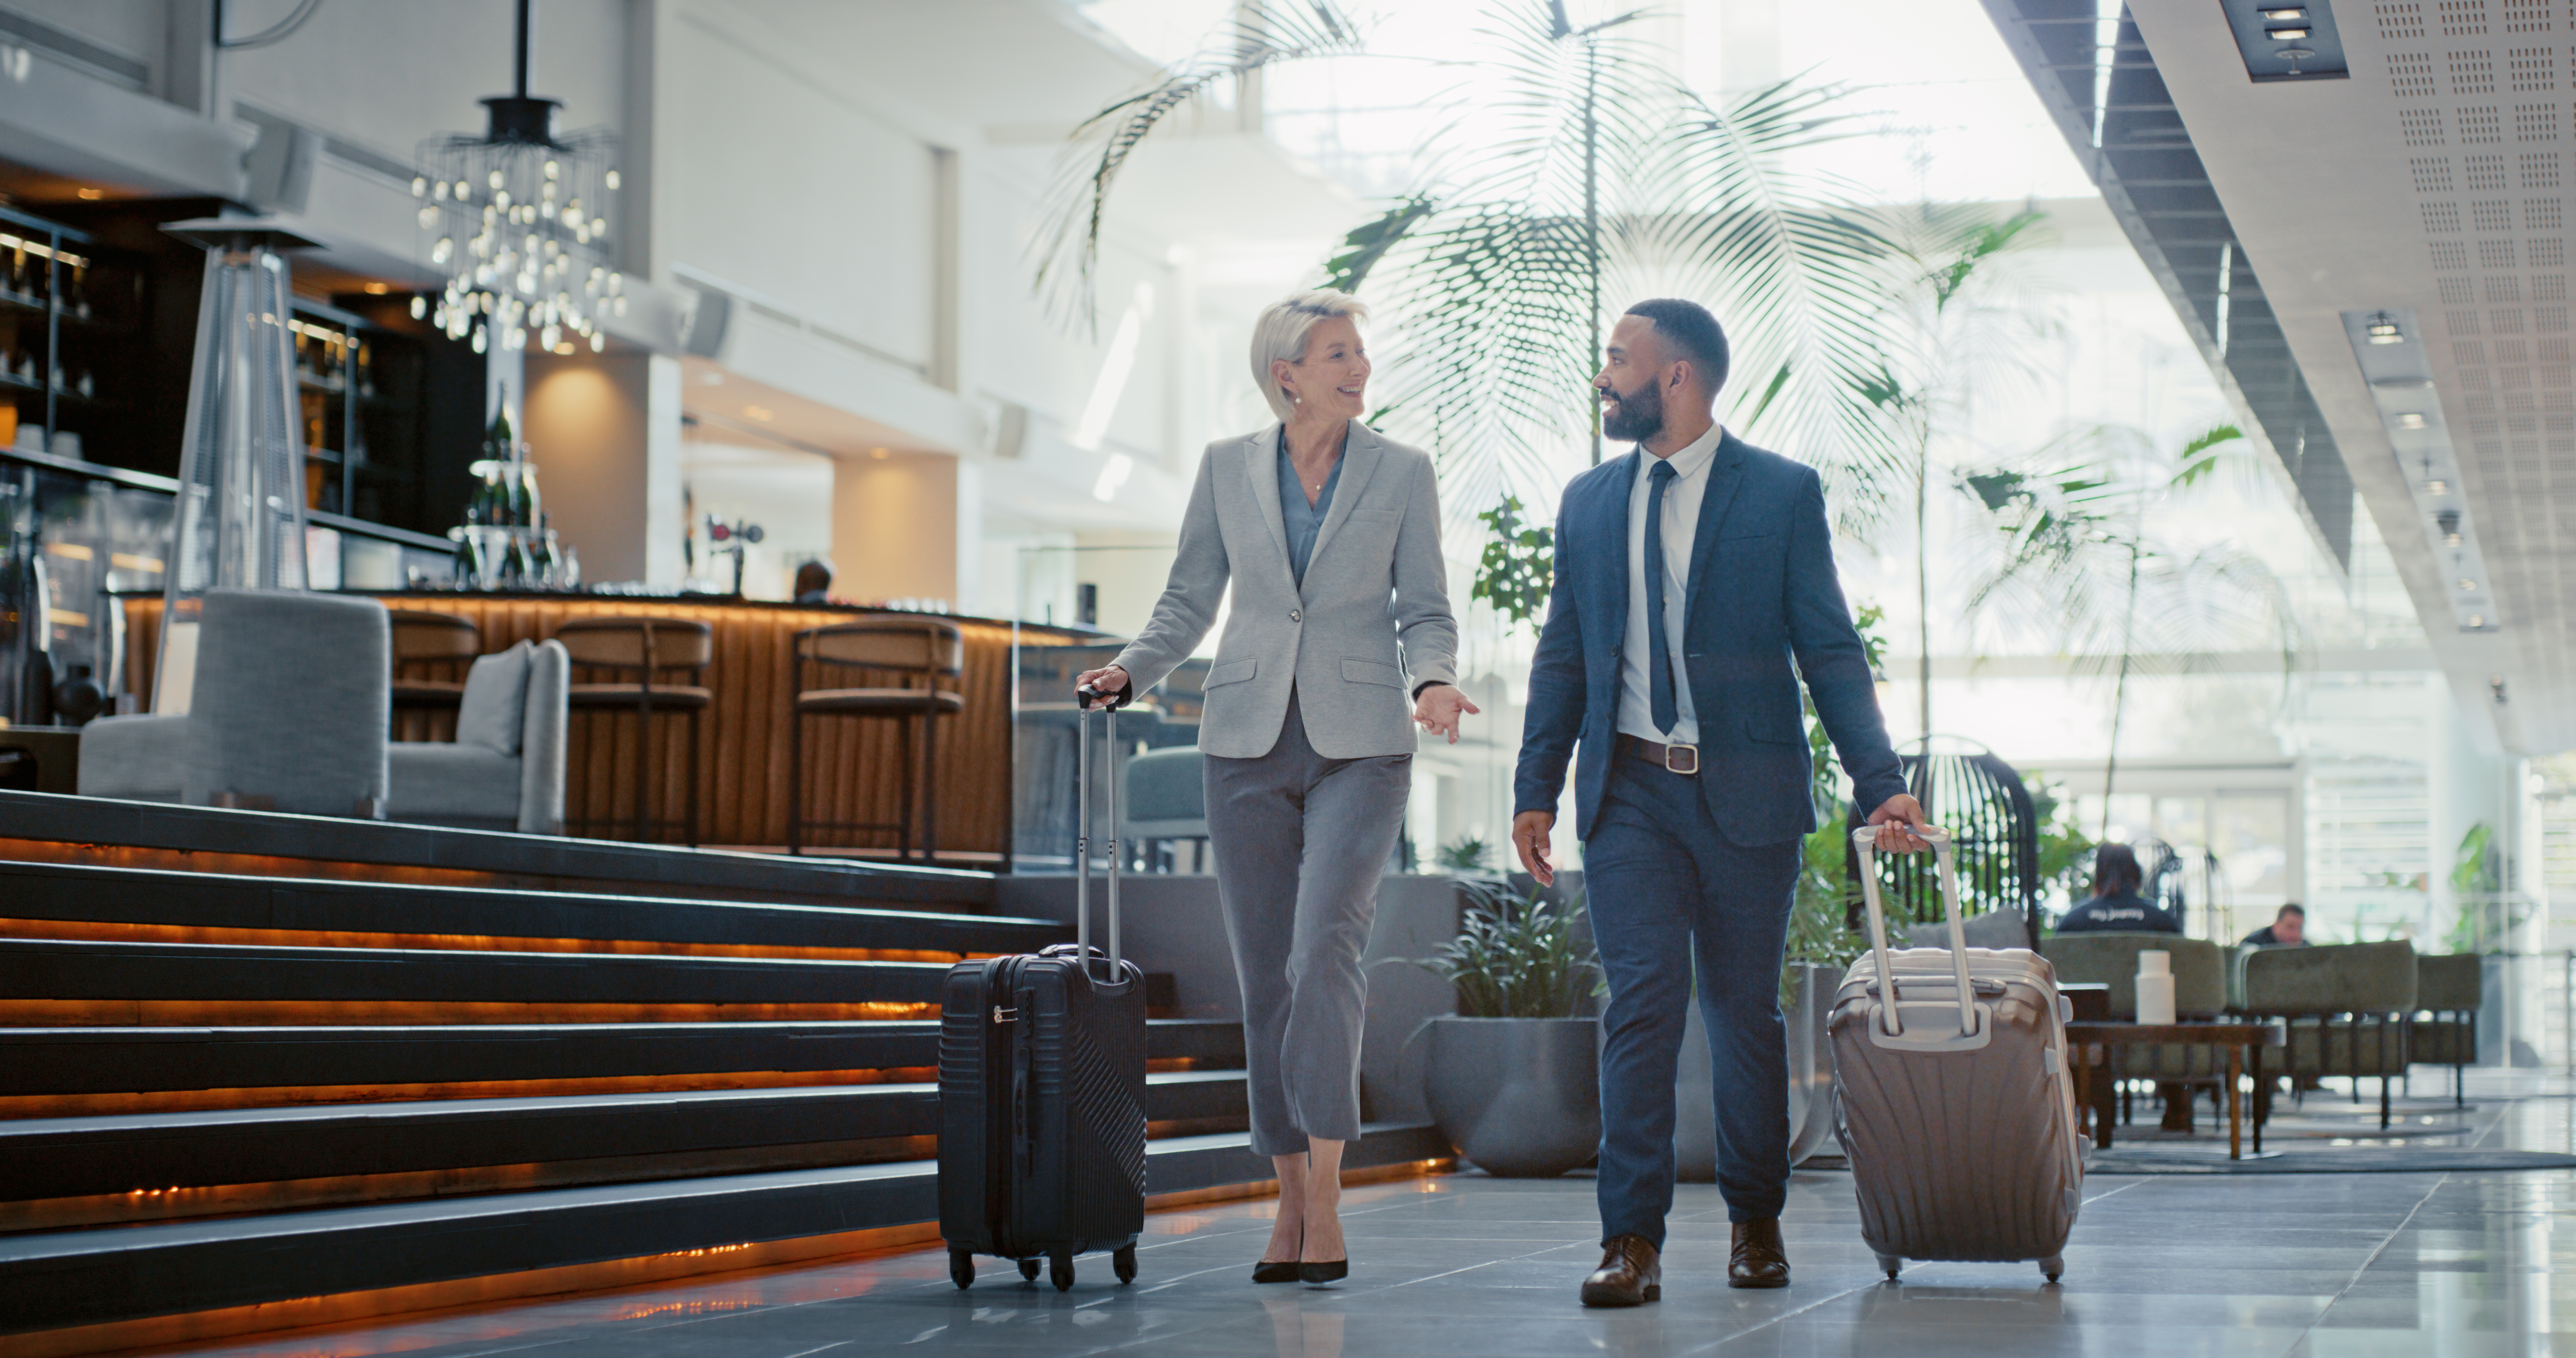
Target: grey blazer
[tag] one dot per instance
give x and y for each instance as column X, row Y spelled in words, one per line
column 1375, row 586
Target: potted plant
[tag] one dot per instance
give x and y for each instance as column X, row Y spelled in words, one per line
column 1513, row 1078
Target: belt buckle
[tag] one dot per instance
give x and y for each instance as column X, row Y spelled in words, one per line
column 1682, row 759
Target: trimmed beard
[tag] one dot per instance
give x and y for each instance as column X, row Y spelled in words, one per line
column 1634, row 417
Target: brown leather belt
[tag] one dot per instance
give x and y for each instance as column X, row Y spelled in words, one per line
column 1681, row 759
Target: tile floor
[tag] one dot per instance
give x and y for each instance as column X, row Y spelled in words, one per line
column 2316, row 1266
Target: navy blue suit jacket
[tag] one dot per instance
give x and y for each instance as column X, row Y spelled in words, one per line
column 1762, row 591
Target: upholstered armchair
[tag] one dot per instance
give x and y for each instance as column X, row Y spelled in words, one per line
column 505, row 769
column 2200, row 992
column 2347, row 1005
column 286, row 712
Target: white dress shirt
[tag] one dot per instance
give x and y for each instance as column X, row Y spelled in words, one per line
column 1681, row 526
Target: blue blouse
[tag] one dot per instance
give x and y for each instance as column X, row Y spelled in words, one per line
column 1303, row 521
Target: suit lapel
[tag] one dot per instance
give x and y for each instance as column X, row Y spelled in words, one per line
column 1725, row 474
column 1609, row 521
column 1361, row 454
column 1261, row 466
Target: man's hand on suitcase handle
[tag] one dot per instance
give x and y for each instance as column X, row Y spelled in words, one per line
column 1109, row 685
column 1898, row 819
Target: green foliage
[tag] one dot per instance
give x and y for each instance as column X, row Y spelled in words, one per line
column 2488, row 913
column 1820, row 910
column 1821, row 906
column 2063, row 845
column 1465, row 854
column 1591, row 174
column 1518, row 567
column 1515, row 958
column 2204, row 456
column 1366, row 245
column 1262, row 36
column 1867, row 621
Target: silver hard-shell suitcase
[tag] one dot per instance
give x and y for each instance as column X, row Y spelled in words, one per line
column 1952, row 1097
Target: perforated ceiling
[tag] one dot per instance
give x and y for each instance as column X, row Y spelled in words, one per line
column 2428, row 189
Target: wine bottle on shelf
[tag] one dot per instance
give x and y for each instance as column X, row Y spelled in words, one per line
column 550, row 564
column 76, row 292
column 18, row 272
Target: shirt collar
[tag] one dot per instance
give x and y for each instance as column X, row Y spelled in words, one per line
column 1694, row 456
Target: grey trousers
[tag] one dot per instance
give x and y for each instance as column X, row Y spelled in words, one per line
column 1300, row 843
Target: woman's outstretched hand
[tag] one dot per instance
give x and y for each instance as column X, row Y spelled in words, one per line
column 1440, row 707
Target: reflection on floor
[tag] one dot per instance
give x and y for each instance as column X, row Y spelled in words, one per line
column 2299, row 1265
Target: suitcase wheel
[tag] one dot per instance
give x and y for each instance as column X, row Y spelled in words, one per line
column 2053, row 1265
column 1892, row 1264
column 961, row 1268
column 1060, row 1271
column 1029, row 1269
column 1125, row 1262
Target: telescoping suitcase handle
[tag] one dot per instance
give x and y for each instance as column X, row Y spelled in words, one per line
column 1088, row 700
column 1887, row 1028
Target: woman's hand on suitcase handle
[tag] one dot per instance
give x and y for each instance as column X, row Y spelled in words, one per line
column 1109, row 681
column 1898, row 819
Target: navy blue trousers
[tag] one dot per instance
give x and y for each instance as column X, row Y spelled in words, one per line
column 1667, row 892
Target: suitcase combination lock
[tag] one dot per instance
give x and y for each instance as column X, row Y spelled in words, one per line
column 1002, row 1015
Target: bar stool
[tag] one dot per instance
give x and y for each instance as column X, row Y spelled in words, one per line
column 440, row 642
column 650, row 649
column 922, row 648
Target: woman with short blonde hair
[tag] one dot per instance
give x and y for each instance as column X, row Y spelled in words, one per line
column 1340, row 641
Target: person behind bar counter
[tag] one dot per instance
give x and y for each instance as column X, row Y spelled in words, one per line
column 814, row 582
column 1330, row 534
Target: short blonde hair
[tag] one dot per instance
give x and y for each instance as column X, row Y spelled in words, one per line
column 1280, row 336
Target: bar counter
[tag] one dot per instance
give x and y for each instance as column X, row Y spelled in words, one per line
column 853, row 768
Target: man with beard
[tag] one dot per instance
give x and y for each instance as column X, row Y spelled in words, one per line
column 1688, row 573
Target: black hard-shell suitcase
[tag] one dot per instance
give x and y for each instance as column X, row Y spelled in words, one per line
column 1042, row 1088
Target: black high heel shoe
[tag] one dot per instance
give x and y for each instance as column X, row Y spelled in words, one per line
column 1278, row 1271
column 1327, row 1271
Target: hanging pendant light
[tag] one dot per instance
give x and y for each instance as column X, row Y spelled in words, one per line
column 518, row 221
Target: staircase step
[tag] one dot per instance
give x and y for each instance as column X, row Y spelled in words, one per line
column 423, row 985
column 61, row 1158
column 50, row 827
column 55, row 1279
column 270, row 1066
column 379, row 914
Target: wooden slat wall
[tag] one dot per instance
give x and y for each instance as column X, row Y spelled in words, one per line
column 853, row 769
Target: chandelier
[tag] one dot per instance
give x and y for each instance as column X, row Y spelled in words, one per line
column 518, row 220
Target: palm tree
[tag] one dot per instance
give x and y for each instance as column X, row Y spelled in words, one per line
column 1595, row 174
column 1957, row 322
column 2077, row 553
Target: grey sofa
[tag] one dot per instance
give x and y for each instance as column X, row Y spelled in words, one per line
column 505, row 769
column 286, row 713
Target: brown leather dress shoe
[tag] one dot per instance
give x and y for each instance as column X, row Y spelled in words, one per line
column 1757, row 1259
column 1631, row 1272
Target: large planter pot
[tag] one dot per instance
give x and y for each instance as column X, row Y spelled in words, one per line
column 1520, row 1097
column 1811, row 1080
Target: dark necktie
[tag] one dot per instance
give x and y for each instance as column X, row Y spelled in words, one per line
column 1659, row 653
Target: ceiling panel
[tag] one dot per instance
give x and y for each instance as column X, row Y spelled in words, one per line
column 2428, row 193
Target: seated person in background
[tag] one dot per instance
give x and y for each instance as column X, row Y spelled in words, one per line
column 814, row 582
column 2116, row 906
column 2287, row 930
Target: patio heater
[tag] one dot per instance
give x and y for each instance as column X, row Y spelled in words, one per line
column 240, row 519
